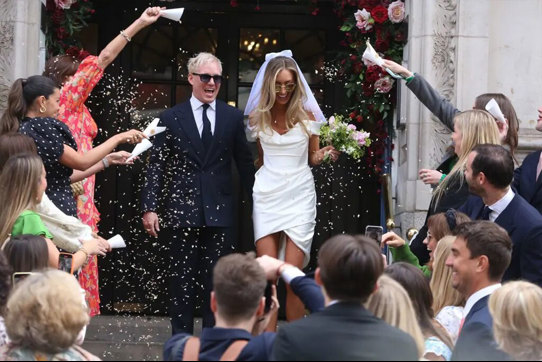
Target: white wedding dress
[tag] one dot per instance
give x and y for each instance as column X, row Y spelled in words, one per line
column 284, row 193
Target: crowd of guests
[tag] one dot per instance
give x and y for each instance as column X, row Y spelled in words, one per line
column 467, row 287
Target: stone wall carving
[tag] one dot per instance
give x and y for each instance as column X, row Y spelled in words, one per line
column 443, row 61
column 7, row 32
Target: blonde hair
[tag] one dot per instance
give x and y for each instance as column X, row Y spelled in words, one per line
column 392, row 304
column 441, row 280
column 477, row 127
column 46, row 312
column 195, row 63
column 19, row 184
column 517, row 320
column 261, row 117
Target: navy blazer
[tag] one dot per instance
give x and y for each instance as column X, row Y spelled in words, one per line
column 525, row 182
column 195, row 187
column 343, row 332
column 309, row 292
column 524, row 225
column 476, row 341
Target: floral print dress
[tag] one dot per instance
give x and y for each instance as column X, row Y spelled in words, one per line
column 76, row 116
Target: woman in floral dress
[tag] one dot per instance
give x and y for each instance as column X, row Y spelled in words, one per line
column 77, row 82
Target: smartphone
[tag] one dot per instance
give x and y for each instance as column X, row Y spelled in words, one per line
column 268, row 297
column 17, row 277
column 375, row 232
column 65, row 262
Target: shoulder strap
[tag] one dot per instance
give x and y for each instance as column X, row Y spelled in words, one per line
column 191, row 349
column 233, row 351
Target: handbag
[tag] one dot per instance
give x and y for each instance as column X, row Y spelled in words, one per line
column 78, row 188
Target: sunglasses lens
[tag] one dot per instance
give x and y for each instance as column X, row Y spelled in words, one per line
column 217, row 79
column 205, row 78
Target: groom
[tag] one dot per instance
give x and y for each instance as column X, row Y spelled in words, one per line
column 190, row 167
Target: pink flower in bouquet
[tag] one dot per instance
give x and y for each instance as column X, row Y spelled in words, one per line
column 384, row 85
column 64, row 4
column 364, row 21
column 396, row 11
column 361, row 138
column 351, row 127
column 331, row 121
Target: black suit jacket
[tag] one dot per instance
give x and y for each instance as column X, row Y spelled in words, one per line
column 476, row 341
column 344, row 331
column 525, row 182
column 197, row 185
column 524, row 225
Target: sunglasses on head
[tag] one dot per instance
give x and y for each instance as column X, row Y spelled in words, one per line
column 206, row 78
column 289, row 87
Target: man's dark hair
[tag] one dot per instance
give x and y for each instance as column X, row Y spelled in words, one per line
column 489, row 239
column 350, row 267
column 496, row 163
column 239, row 284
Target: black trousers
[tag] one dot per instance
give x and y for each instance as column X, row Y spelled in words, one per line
column 193, row 255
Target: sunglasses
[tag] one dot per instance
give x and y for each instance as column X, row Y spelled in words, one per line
column 206, row 78
column 289, row 87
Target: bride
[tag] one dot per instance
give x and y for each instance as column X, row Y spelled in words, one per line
column 286, row 119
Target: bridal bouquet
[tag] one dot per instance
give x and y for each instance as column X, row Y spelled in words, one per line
column 344, row 137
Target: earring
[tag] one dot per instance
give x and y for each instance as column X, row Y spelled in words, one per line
column 43, row 109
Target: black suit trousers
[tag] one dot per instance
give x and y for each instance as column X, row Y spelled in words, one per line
column 193, row 255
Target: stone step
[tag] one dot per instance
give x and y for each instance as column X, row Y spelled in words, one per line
column 129, row 338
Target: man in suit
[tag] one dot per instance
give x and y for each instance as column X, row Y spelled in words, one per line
column 349, row 267
column 480, row 255
column 527, row 180
column 190, row 167
column 489, row 173
column 238, row 303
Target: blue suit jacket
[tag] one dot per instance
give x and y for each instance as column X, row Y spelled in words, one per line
column 525, row 182
column 476, row 341
column 524, row 225
column 195, row 186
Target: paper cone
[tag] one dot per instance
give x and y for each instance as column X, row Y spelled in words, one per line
column 493, row 108
column 117, row 242
column 153, row 129
column 140, row 148
column 172, row 14
column 371, row 55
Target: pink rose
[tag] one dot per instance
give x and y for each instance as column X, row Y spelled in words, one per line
column 396, row 11
column 384, row 85
column 64, row 4
column 351, row 127
column 364, row 21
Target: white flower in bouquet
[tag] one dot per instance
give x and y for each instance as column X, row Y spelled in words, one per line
column 344, row 137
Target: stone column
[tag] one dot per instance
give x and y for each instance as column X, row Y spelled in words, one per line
column 21, row 43
column 448, row 44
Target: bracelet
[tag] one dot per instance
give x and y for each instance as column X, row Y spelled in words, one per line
column 83, row 250
column 443, row 177
column 128, row 39
column 105, row 162
column 409, row 78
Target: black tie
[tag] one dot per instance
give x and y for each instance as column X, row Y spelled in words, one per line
column 206, row 134
column 485, row 213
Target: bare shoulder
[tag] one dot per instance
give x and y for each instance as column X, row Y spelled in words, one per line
column 311, row 116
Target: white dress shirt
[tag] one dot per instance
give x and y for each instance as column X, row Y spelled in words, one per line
column 498, row 207
column 197, row 109
column 482, row 293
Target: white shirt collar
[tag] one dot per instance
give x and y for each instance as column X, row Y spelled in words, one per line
column 498, row 207
column 473, row 299
column 196, row 103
